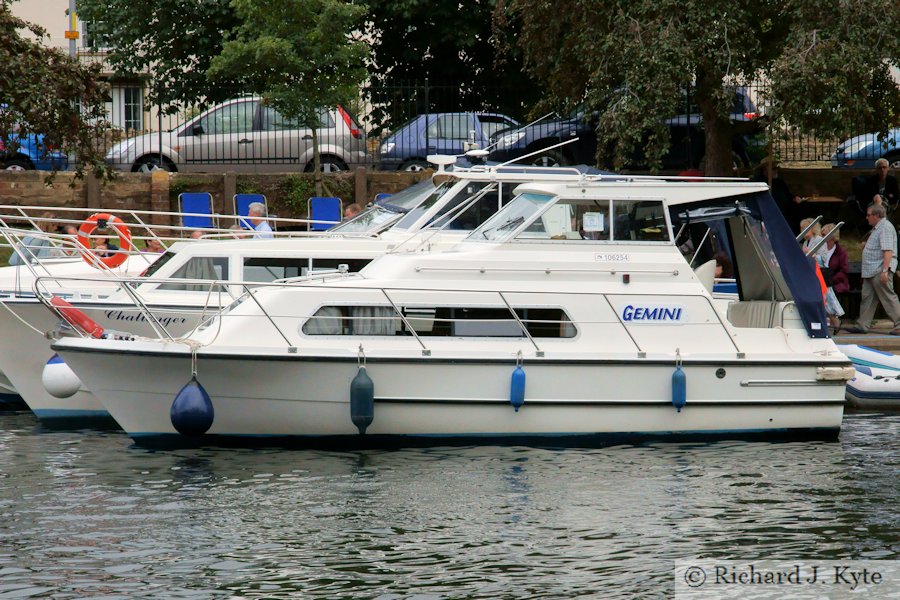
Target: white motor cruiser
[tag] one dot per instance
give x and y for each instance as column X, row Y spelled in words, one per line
column 570, row 316
column 181, row 288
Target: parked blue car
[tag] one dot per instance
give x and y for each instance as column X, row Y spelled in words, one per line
column 407, row 149
column 862, row 151
column 26, row 153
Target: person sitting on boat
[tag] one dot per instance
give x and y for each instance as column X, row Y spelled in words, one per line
column 812, row 237
column 879, row 262
column 256, row 215
column 154, row 246
column 351, row 211
column 724, row 270
column 104, row 248
column 837, row 260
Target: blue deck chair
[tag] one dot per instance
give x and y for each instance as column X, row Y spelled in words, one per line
column 381, row 197
column 324, row 209
column 200, row 203
column 242, row 204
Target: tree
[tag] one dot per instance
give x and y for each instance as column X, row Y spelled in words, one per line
column 453, row 46
column 299, row 55
column 44, row 91
column 172, row 41
column 827, row 64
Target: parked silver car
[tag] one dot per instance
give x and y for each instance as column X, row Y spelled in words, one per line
column 247, row 133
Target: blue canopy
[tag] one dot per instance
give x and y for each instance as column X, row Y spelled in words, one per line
column 799, row 270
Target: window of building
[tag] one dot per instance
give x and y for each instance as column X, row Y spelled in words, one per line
column 133, row 99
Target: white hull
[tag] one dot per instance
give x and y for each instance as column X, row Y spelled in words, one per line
column 308, row 397
column 24, row 352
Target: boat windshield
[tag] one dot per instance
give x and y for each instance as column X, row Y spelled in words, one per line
column 381, row 216
column 500, row 226
column 416, row 213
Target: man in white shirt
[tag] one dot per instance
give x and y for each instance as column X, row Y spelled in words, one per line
column 255, row 214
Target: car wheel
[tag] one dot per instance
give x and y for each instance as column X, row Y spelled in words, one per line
column 17, row 164
column 151, row 163
column 415, row 165
column 893, row 160
column 328, row 164
column 549, row 158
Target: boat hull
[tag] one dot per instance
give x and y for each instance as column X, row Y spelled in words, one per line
column 874, row 389
column 25, row 350
column 438, row 400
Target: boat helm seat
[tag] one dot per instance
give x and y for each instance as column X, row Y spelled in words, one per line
column 706, row 273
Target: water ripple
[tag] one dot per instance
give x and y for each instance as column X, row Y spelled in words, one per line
column 87, row 514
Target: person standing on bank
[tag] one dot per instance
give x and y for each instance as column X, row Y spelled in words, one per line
column 881, row 187
column 879, row 262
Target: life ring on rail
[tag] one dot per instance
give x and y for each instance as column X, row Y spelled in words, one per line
column 76, row 318
column 104, row 220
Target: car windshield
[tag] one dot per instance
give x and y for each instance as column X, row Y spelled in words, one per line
column 388, row 212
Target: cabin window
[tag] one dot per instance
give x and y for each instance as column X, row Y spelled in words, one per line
column 455, row 321
column 267, row 269
column 205, row 268
column 581, row 219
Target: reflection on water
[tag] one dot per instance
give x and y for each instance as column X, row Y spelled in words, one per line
column 86, row 514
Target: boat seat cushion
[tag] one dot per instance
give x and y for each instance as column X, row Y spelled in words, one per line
column 764, row 314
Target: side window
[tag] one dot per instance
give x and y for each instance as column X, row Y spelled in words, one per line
column 593, row 220
column 204, row 268
column 234, row 118
column 491, row 124
column 454, row 127
column 265, row 270
column 272, row 120
column 639, row 221
column 269, row 269
column 454, row 321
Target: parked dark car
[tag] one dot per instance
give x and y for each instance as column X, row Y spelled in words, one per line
column 28, row 152
column 407, row 148
column 688, row 143
column 861, row 151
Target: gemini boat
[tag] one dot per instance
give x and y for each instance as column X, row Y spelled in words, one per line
column 571, row 316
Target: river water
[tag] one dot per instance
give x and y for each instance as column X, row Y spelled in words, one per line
column 87, row 514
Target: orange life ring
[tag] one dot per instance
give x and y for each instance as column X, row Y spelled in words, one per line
column 76, row 318
column 121, row 229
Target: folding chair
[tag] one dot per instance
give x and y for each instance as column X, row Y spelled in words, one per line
column 199, row 203
column 324, row 209
column 242, row 204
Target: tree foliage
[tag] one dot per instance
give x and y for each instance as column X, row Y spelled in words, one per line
column 298, row 54
column 827, row 63
column 44, row 91
column 449, row 44
column 171, row 40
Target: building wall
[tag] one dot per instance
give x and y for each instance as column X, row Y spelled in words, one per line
column 51, row 15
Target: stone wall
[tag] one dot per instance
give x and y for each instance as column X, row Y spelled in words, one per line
column 286, row 193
